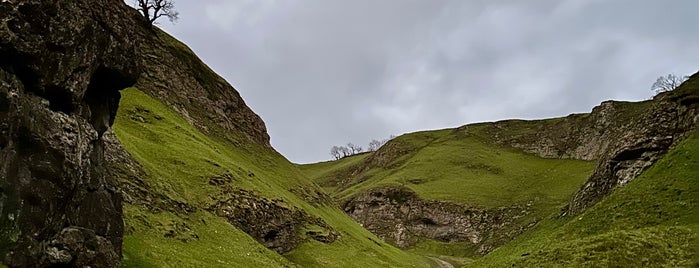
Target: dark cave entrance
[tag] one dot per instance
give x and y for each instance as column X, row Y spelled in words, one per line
column 102, row 97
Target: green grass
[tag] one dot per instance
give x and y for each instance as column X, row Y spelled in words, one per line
column 217, row 243
column 466, row 170
column 453, row 166
column 324, row 172
column 653, row 221
column 179, row 161
column 449, row 166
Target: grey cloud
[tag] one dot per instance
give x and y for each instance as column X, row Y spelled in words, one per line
column 323, row 72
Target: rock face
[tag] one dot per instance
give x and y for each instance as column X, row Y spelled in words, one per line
column 577, row 136
column 625, row 137
column 400, row 217
column 62, row 64
column 176, row 76
column 273, row 224
column 648, row 136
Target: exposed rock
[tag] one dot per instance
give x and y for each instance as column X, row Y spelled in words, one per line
column 271, row 222
column 178, row 78
column 400, row 217
column 625, row 137
column 62, row 65
column 577, row 136
column 646, row 138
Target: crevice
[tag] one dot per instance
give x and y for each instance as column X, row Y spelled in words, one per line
column 17, row 63
column 60, row 99
column 4, row 101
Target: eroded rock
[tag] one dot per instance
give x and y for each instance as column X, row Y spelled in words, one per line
column 644, row 139
column 62, row 64
column 273, row 223
column 401, row 218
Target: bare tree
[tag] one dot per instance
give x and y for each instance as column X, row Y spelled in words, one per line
column 354, row 149
column 668, row 83
column 154, row 9
column 345, row 151
column 374, row 145
column 335, row 152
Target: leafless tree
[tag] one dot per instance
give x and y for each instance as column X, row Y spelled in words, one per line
column 374, row 145
column 335, row 152
column 354, row 149
column 668, row 83
column 345, row 151
column 152, row 10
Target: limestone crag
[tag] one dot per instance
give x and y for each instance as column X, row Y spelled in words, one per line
column 577, row 136
column 648, row 136
column 62, row 64
column 624, row 137
column 178, row 78
column 273, row 223
column 400, row 217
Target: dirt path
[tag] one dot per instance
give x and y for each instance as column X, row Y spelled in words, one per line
column 442, row 263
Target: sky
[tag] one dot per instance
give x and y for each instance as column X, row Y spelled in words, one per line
column 326, row 72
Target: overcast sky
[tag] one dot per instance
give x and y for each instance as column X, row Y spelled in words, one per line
column 324, row 73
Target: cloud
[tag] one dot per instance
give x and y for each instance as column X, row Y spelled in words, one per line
column 324, row 72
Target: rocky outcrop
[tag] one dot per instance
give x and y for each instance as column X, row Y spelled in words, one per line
column 577, row 136
column 625, row 137
column 174, row 75
column 400, row 217
column 273, row 223
column 647, row 136
column 62, row 64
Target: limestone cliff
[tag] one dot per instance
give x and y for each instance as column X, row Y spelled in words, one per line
column 625, row 137
column 62, row 64
column 401, row 217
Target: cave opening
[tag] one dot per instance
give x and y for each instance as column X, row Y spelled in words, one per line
column 102, row 97
column 271, row 235
column 60, row 99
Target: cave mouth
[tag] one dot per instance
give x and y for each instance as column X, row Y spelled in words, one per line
column 271, row 235
column 60, row 100
column 102, row 97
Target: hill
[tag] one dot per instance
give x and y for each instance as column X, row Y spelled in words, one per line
column 653, row 221
column 468, row 190
column 187, row 176
column 120, row 147
column 202, row 185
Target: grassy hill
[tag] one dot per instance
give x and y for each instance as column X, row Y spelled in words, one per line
column 454, row 166
column 651, row 222
column 464, row 168
column 180, row 162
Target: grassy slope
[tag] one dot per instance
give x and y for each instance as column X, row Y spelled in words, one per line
column 179, row 160
column 451, row 166
column 653, row 221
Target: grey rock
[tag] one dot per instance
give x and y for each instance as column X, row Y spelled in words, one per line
column 402, row 218
column 62, row 66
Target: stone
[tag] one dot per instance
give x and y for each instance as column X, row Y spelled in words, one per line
column 399, row 216
column 62, row 64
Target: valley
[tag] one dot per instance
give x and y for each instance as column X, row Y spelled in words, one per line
column 120, row 147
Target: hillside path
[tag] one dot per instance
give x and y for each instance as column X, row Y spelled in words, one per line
column 442, row 263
